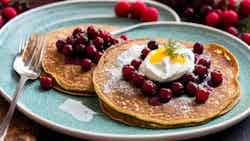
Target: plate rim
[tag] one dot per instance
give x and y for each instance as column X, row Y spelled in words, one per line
column 180, row 135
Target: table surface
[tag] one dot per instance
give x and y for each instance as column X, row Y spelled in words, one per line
column 24, row 129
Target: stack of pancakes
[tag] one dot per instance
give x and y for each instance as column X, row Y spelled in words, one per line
column 124, row 103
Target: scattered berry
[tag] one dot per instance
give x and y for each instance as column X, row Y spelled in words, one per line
column 201, row 95
column 150, row 15
column 82, row 38
column 189, row 77
column 98, row 56
column 136, row 63
column 191, row 88
column 189, row 11
column 205, row 9
column 232, row 30
column 216, row 78
column 91, row 50
column 5, row 2
column 165, row 94
column 86, row 64
column 198, row 48
column 138, row 79
column 98, row 42
column 177, row 88
column 77, row 31
column 148, row 88
column 92, row 32
column 9, row 12
column 60, row 44
column 152, row 45
column 245, row 8
column 154, row 101
column 124, row 37
column 46, row 83
column 200, row 70
column 80, row 49
column 1, row 21
column 145, row 52
column 212, row 19
column 127, row 72
column 122, row 9
column 246, row 37
column 137, row 9
column 205, row 62
column 229, row 18
column 68, row 50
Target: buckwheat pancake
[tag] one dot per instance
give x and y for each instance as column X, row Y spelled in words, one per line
column 123, row 102
column 69, row 78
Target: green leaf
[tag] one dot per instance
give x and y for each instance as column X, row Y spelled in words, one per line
column 244, row 25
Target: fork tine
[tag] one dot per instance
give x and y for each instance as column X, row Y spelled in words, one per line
column 30, row 49
column 38, row 64
column 23, row 43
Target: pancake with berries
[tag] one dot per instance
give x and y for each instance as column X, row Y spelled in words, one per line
column 166, row 83
column 71, row 55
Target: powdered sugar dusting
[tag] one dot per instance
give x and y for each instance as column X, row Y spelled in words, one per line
column 183, row 103
column 116, row 83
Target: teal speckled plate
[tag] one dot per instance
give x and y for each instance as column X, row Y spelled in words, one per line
column 43, row 106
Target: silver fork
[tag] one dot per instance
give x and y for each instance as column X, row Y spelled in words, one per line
column 28, row 65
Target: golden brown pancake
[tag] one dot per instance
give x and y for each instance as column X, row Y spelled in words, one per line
column 123, row 102
column 69, row 78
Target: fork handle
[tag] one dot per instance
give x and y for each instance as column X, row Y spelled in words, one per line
column 7, row 119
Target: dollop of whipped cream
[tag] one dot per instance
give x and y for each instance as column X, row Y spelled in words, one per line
column 168, row 63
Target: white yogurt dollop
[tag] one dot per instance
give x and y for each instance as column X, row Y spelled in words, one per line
column 167, row 70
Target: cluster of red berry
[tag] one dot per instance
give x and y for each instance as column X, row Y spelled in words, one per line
column 10, row 9
column 84, row 47
column 223, row 14
column 138, row 10
column 198, row 84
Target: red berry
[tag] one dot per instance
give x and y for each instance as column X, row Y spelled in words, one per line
column 191, row 88
column 127, row 72
column 98, row 42
column 145, row 52
column 205, row 9
column 189, row 12
column 198, row 48
column 148, row 88
column 200, row 70
column 205, row 62
column 177, row 88
column 1, row 21
column 212, row 19
column 4, row 2
column 60, row 44
column 122, row 9
column 218, row 11
column 82, row 39
column 246, row 37
column 71, row 40
column 92, row 32
column 153, row 45
column 80, row 49
column 232, row 30
column 137, row 9
column 154, row 101
column 201, row 95
column 165, row 94
column 46, row 83
column 86, row 64
column 77, row 31
column 68, row 50
column 98, row 55
column 232, row 4
column 189, row 77
column 245, row 8
column 150, row 15
column 229, row 17
column 136, row 63
column 9, row 12
column 124, row 37
column 91, row 50
column 196, row 57
column 216, row 78
column 138, row 79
